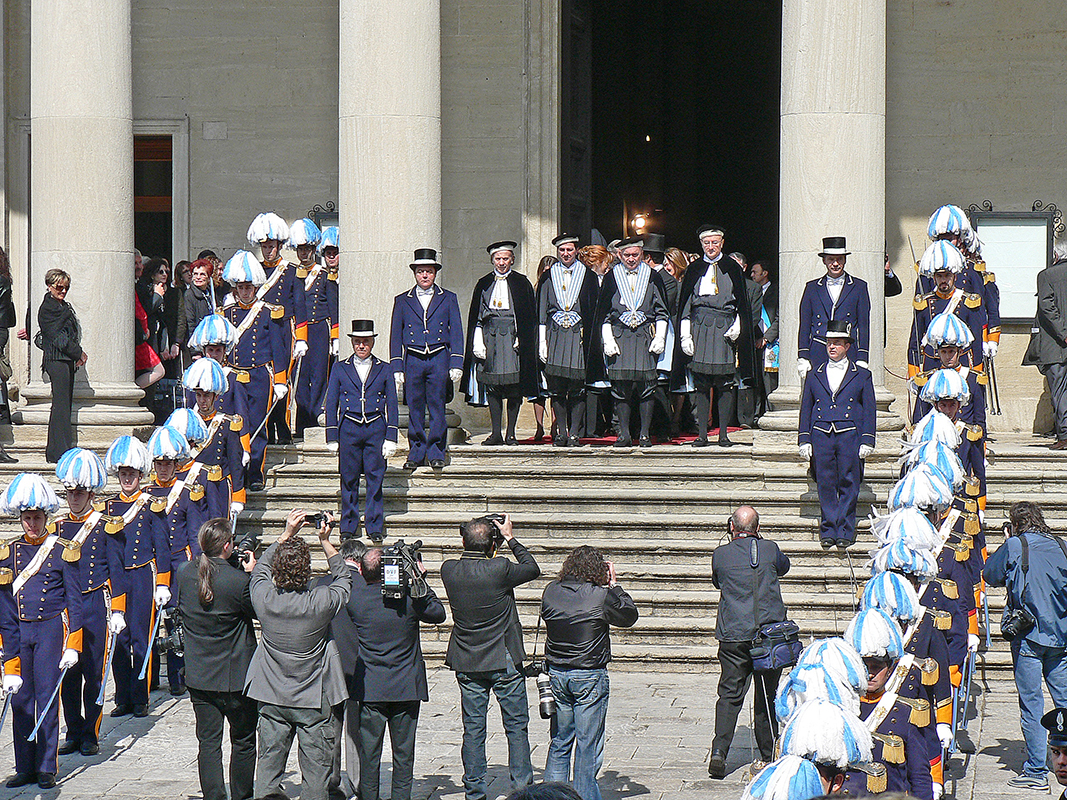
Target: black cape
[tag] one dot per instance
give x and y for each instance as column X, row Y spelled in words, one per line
column 524, row 305
column 587, row 300
column 594, row 356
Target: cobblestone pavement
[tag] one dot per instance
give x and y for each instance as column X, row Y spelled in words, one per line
column 659, row 731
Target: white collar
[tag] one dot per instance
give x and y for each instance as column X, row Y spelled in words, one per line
column 839, row 366
column 835, row 281
column 362, row 362
column 424, row 292
column 500, row 276
column 712, row 260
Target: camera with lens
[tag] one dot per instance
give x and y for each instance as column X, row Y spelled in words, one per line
column 546, row 700
column 244, row 550
column 315, row 520
column 498, row 537
column 402, row 573
column 174, row 639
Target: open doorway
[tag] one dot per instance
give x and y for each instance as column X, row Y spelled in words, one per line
column 153, row 171
column 672, row 110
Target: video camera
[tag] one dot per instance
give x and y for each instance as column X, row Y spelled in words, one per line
column 174, row 640
column 402, row 571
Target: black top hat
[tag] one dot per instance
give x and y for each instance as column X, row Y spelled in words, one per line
column 631, row 241
column 425, row 257
column 1055, row 722
column 563, row 238
column 708, row 228
column 834, row 246
column 839, row 329
column 362, row 327
column 505, row 244
column 655, row 243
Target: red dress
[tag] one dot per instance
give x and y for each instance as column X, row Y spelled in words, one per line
column 144, row 357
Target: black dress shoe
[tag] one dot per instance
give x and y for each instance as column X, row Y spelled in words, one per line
column 826, row 544
column 724, row 442
column 511, row 441
column 122, row 711
column 7, row 458
column 573, row 442
column 89, row 748
column 140, row 710
column 624, row 443
column 700, row 441
column 842, row 543
column 644, row 441
column 255, row 486
column 46, row 780
column 68, row 747
column 410, row 465
column 493, row 440
column 177, row 691
column 21, row 779
column 559, row 441
column 377, row 537
column 437, row 463
column 717, row 765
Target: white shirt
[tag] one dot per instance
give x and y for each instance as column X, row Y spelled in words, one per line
column 501, row 296
column 833, row 286
column 425, row 296
column 709, row 284
column 835, row 373
column 363, row 366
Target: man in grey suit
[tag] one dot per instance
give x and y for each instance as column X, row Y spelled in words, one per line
column 485, row 649
column 1048, row 338
column 296, row 672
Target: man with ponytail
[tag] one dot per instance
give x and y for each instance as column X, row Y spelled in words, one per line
column 216, row 611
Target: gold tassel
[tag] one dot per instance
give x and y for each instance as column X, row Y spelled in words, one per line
column 972, row 300
column 949, row 588
column 159, row 504
column 99, row 506
column 877, row 780
column 963, row 552
column 6, row 576
column 892, row 747
column 243, row 376
column 5, row 549
column 196, row 493
column 72, row 551
column 919, row 303
column 921, row 379
column 114, row 524
column 920, row 712
column 236, row 423
column 930, row 672
column 276, row 312
column 214, row 473
column 970, row 505
column 942, row 620
column 971, row 525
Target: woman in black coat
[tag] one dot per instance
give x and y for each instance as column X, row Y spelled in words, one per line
column 60, row 339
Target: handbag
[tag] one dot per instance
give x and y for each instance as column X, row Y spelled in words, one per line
column 776, row 645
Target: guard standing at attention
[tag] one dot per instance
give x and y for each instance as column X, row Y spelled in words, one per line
column 42, row 625
column 837, row 426
column 943, row 263
column 501, row 356
column 103, row 595
column 215, row 337
column 426, row 354
column 361, row 427
column 320, row 300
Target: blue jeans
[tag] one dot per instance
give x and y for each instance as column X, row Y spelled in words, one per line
column 510, row 690
column 1032, row 662
column 582, row 702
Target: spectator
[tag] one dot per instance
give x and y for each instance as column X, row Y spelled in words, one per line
column 147, row 368
column 296, row 672
column 1048, row 340
column 390, row 674
column 746, row 572
column 1055, row 722
column 213, row 599
column 60, row 339
column 543, row 266
column 167, row 333
column 676, row 263
column 485, row 649
column 597, row 258
column 767, row 345
column 577, row 609
column 197, row 302
column 1032, row 563
column 7, row 321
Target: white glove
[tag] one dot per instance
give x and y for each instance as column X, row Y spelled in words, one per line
column 659, row 341
column 863, row 364
column 12, row 684
column 803, row 367
column 399, row 378
column 515, row 346
column 478, row 344
column 162, row 596
column 245, row 458
column 939, row 790
column 280, row 390
column 611, row 347
column 735, row 329
column 685, row 333
column 236, row 507
column 972, row 642
column 865, row 450
column 388, row 448
column 300, row 348
column 944, row 734
column 989, row 349
column 335, row 347
column 542, row 342
column 455, row 374
column 333, row 447
column 116, row 623
column 68, row 659
column 805, row 452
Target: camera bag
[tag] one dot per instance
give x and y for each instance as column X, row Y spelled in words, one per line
column 776, row 645
column 1015, row 623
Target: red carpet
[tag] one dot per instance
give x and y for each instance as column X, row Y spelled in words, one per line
column 685, row 438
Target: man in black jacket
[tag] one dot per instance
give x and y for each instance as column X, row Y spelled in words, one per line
column 485, row 649
column 746, row 572
column 577, row 610
column 390, row 675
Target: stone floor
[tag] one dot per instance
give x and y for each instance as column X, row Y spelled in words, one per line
column 659, row 729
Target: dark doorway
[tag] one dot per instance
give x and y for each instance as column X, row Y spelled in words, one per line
column 152, row 195
column 682, row 118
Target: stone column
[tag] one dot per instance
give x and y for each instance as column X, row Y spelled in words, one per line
column 81, row 152
column 832, row 174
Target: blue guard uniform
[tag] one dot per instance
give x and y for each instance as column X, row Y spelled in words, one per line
column 222, row 476
column 899, row 746
column 967, row 306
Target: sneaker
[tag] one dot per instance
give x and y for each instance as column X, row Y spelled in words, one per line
column 1039, row 782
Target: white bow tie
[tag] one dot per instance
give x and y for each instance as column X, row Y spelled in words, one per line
column 424, row 292
column 836, row 281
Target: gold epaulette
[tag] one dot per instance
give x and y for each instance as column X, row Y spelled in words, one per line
column 301, row 272
column 243, row 376
column 949, row 588
column 51, row 527
column 922, row 378
column 72, row 551
column 5, row 548
column 979, row 266
column 982, row 378
column 276, row 312
column 114, row 524
column 942, row 619
column 196, row 492
column 930, row 671
column 215, row 473
column 100, row 506
column 877, row 781
column 971, row 523
column 159, row 504
column 972, row 300
column 237, row 422
column 989, row 277
column 962, row 551
column 892, row 747
column 920, row 302
column 6, row 576
column 332, row 275
column 920, row 711
column 974, row 432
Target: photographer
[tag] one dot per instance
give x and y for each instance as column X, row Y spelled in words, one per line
column 213, row 599
column 577, row 609
column 296, row 672
column 1033, row 565
column 390, row 674
column 485, row 649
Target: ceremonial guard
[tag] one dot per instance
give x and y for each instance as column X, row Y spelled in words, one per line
column 949, row 390
column 146, row 558
column 837, row 427
column 103, row 596
column 839, row 297
column 361, row 426
column 426, row 354
column 260, row 351
column 221, row 452
column 501, row 360
column 714, row 313
column 42, row 626
column 630, row 329
column 566, row 302
column 282, row 287
column 943, row 263
column 214, row 337
column 320, row 300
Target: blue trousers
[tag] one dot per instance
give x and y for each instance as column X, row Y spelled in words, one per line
column 133, row 641
column 510, row 691
column 425, row 386
column 257, row 396
column 217, row 497
column 314, row 374
column 41, row 647
column 579, row 724
column 1032, row 662
column 81, row 684
column 360, row 454
column 838, row 473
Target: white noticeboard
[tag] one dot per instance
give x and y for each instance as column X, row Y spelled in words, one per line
column 1015, row 249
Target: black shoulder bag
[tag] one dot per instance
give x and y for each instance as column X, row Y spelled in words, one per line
column 776, row 645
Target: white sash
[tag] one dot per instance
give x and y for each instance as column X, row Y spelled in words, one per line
column 176, row 489
column 909, row 634
column 87, row 527
column 134, row 508
column 212, row 429
column 35, row 564
column 889, row 695
column 273, row 279
column 313, row 274
column 250, row 317
column 631, row 298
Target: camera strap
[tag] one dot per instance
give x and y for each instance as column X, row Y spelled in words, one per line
column 1025, row 563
